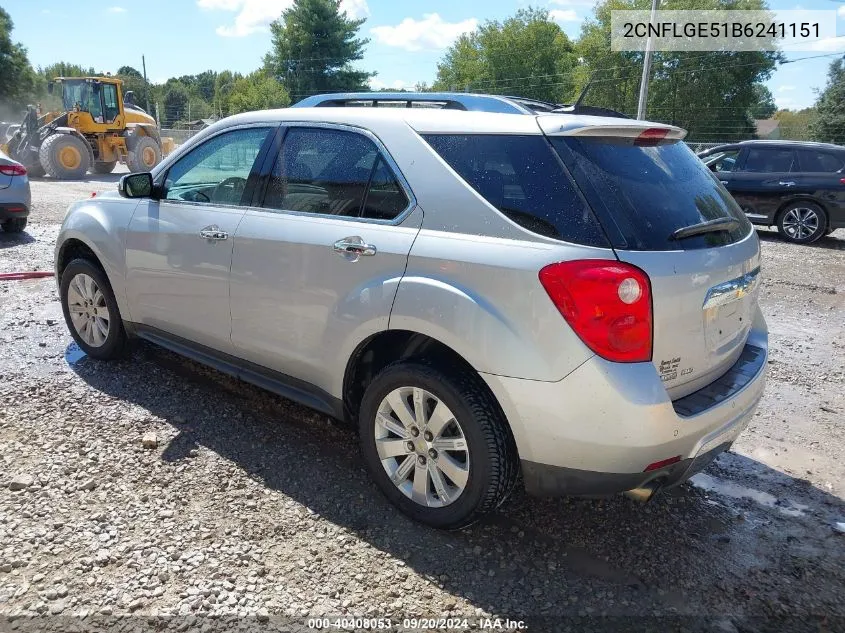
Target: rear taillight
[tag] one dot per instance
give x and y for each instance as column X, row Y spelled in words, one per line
column 842, row 180
column 651, row 136
column 13, row 170
column 607, row 303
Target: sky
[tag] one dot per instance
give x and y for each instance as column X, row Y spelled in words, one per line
column 407, row 39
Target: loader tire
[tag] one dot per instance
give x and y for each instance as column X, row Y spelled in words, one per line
column 65, row 156
column 105, row 167
column 35, row 171
column 144, row 154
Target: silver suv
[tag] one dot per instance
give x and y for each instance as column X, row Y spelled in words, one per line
column 568, row 296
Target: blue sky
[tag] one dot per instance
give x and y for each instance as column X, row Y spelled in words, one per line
column 407, row 38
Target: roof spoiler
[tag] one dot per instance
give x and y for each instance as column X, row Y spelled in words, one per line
column 553, row 126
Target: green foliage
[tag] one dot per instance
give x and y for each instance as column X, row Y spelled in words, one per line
column 710, row 94
column 764, row 105
column 829, row 125
column 18, row 82
column 66, row 69
column 795, row 125
column 257, row 91
column 314, row 45
column 175, row 103
column 526, row 55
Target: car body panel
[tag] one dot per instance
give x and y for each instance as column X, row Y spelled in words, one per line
column 15, row 193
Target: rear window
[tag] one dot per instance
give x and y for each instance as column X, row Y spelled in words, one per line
column 821, row 162
column 643, row 194
column 522, row 178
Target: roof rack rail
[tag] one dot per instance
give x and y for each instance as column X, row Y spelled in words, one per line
column 450, row 101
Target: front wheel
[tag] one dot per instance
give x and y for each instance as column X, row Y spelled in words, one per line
column 145, row 154
column 91, row 311
column 802, row 222
column 436, row 444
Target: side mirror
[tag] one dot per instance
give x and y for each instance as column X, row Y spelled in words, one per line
column 136, row 185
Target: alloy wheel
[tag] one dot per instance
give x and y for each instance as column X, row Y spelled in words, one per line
column 422, row 447
column 801, row 222
column 88, row 310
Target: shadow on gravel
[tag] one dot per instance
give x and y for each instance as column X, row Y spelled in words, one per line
column 718, row 561
column 835, row 241
column 10, row 240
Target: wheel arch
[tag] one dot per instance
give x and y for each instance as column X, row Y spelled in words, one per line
column 383, row 348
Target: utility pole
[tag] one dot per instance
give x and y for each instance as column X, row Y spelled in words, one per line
column 641, row 106
column 146, row 87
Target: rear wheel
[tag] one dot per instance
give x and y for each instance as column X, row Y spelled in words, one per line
column 146, row 154
column 35, row 171
column 104, row 167
column 802, row 222
column 15, row 225
column 436, row 444
column 91, row 311
column 65, row 156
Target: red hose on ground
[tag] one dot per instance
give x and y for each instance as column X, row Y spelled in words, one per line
column 32, row 274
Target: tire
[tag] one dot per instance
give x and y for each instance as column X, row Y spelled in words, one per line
column 802, row 222
column 15, row 225
column 145, row 155
column 828, row 231
column 486, row 458
column 106, row 167
column 65, row 156
column 35, row 171
column 73, row 289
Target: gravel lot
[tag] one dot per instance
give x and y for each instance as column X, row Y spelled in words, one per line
column 155, row 493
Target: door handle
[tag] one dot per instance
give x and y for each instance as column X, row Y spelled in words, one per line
column 353, row 245
column 724, row 182
column 786, row 184
column 213, row 232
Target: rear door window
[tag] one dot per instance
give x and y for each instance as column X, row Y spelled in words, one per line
column 821, row 162
column 642, row 194
column 769, row 159
column 521, row 177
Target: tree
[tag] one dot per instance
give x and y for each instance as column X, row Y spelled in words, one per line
column 314, row 45
column 526, row 55
column 829, row 124
column 175, row 103
column 66, row 69
column 710, row 94
column 795, row 125
column 257, row 91
column 764, row 106
column 18, row 82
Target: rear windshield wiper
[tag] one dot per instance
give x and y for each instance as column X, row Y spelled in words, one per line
column 710, row 226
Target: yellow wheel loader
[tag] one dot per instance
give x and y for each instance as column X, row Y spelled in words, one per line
column 94, row 131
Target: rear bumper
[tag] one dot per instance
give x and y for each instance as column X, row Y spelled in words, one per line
column 9, row 210
column 596, row 431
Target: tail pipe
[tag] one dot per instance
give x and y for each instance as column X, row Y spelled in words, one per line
column 645, row 493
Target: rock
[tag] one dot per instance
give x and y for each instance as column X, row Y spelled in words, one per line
column 6, row 568
column 88, row 485
column 21, row 481
column 263, row 615
column 839, row 527
column 57, row 607
column 150, row 440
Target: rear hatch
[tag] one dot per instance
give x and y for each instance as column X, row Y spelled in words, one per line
column 644, row 184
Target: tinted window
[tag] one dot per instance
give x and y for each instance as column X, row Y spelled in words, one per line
column 765, row 159
column 643, row 194
column 385, row 198
column 110, row 102
column 522, row 178
column 216, row 171
column 328, row 172
column 821, row 161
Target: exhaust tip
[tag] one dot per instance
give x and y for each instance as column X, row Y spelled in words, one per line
column 644, row 493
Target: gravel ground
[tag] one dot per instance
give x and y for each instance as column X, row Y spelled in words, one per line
column 157, row 494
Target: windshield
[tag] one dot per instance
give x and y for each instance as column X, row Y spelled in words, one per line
column 84, row 95
column 643, row 194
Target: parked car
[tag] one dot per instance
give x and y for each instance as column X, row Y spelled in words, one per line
column 15, row 196
column 572, row 296
column 796, row 186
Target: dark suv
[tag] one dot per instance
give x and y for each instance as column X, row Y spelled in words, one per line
column 797, row 186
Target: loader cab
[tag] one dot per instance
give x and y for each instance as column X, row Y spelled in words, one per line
column 101, row 99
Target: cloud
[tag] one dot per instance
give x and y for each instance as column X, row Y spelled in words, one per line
column 785, row 88
column 573, row 3
column 378, row 84
column 116, row 10
column 825, row 45
column 841, row 11
column 255, row 15
column 563, row 15
column 431, row 33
